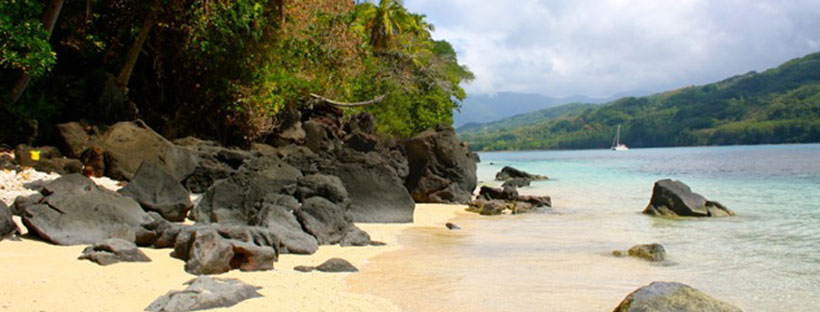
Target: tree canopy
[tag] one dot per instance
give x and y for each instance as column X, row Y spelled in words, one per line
column 223, row 69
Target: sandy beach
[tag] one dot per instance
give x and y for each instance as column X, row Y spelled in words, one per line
column 42, row 277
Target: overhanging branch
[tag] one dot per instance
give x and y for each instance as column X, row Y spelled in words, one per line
column 343, row 104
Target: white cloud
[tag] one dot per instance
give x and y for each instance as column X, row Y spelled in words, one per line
column 605, row 47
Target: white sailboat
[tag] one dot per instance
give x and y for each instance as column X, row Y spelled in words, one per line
column 616, row 143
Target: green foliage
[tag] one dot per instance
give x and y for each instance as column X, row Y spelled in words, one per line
column 23, row 40
column 780, row 105
column 223, row 69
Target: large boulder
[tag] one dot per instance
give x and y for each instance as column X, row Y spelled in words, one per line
column 235, row 200
column 156, row 190
column 276, row 213
column 509, row 173
column 374, row 184
column 215, row 249
column 113, row 250
column 8, row 229
column 216, row 163
column 76, row 211
column 205, row 293
column 674, row 198
column 441, row 169
column 128, row 144
column 324, row 219
column 672, row 296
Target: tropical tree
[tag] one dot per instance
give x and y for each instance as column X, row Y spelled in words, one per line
column 383, row 22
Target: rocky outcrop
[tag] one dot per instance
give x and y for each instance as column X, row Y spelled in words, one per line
column 125, row 146
column 8, row 229
column 441, row 169
column 495, row 201
column 156, row 190
column 75, row 211
column 649, row 252
column 509, row 173
column 334, row 265
column 205, row 293
column 113, row 250
column 672, row 296
column 674, row 198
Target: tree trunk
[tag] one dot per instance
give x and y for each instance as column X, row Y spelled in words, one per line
column 136, row 47
column 49, row 19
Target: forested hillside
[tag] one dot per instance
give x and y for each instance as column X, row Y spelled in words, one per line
column 780, row 105
column 218, row 69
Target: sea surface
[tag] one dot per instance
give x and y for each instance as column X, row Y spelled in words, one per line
column 767, row 258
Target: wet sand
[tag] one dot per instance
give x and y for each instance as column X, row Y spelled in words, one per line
column 38, row 276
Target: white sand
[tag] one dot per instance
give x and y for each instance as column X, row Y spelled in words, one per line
column 37, row 276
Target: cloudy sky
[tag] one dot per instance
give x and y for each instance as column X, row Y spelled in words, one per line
column 602, row 48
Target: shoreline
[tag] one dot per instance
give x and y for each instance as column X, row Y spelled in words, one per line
column 45, row 277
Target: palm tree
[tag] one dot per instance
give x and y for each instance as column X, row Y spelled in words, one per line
column 383, row 22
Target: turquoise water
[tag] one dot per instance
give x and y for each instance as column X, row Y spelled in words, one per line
column 767, row 258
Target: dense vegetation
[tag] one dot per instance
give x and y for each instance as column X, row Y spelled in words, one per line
column 780, row 105
column 220, row 69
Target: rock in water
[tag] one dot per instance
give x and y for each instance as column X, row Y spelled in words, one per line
column 451, row 226
column 8, row 229
column 441, row 169
column 113, row 250
column 509, row 173
column 336, row 265
column 649, row 252
column 671, row 296
column 205, row 293
column 516, row 182
column 674, row 198
column 156, row 190
column 76, row 211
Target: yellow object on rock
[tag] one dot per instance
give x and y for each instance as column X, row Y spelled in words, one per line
column 35, row 155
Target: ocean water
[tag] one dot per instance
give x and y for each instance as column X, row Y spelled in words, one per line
column 767, row 258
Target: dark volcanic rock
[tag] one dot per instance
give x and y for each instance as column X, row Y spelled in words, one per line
column 8, row 229
column 374, row 185
column 441, row 169
column 235, row 200
column 215, row 249
column 671, row 296
column 8, row 163
column 205, row 293
column 276, row 214
column 509, row 173
column 674, row 198
column 492, row 193
column 113, row 250
column 323, row 219
column 156, row 190
column 78, row 212
column 304, row 268
column 452, row 227
column 488, row 207
column 355, row 237
column 21, row 202
column 76, row 137
column 336, row 265
column 650, row 252
column 329, row 187
column 128, row 144
column 516, row 182
column 23, row 153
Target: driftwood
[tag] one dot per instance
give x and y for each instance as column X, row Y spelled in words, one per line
column 343, row 104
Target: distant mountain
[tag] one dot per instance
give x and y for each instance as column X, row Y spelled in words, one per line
column 482, row 108
column 780, row 105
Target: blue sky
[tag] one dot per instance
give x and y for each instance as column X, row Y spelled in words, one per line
column 602, row 48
